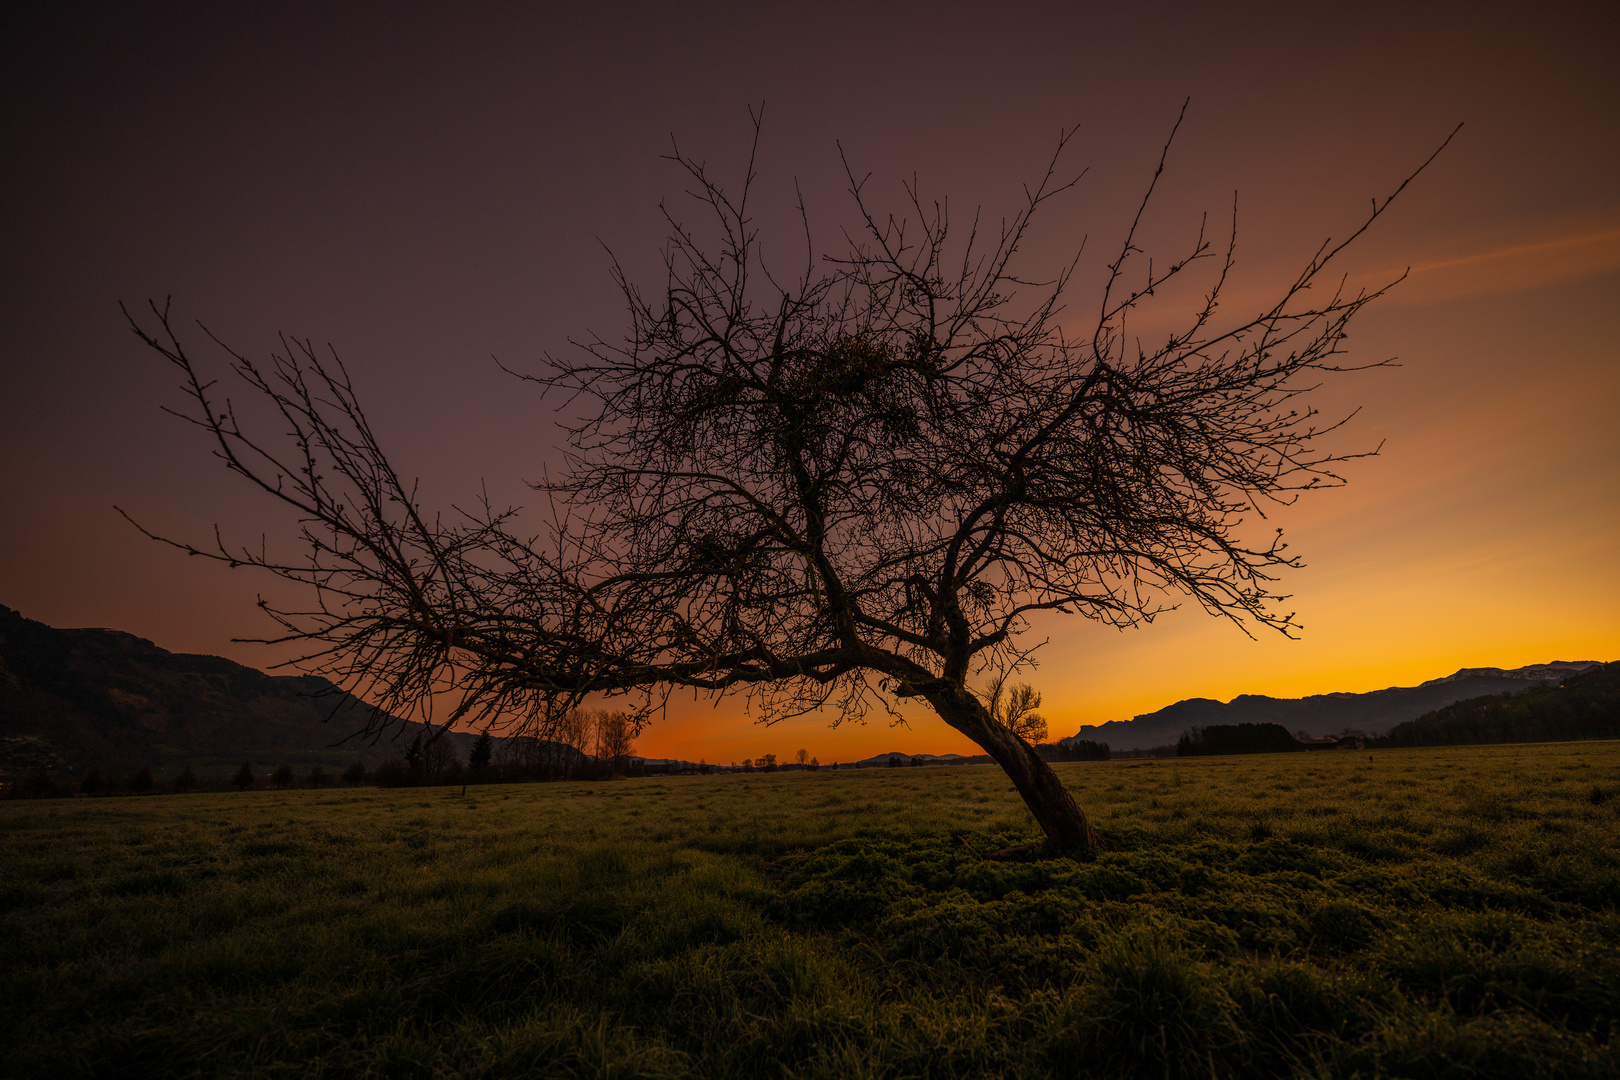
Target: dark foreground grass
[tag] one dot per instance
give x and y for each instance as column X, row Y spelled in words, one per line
column 1446, row 912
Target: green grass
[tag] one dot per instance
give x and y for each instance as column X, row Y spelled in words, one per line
column 1439, row 912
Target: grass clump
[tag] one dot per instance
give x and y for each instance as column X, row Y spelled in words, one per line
column 1434, row 912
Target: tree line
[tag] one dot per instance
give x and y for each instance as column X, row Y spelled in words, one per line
column 1236, row 739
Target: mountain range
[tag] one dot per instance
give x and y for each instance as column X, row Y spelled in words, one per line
column 1370, row 713
column 71, row 698
column 878, row 761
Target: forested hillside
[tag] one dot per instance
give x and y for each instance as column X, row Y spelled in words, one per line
column 1371, row 713
column 71, row 698
column 1583, row 706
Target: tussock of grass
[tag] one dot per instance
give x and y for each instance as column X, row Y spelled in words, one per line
column 1443, row 912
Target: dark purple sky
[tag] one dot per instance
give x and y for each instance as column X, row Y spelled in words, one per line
column 426, row 188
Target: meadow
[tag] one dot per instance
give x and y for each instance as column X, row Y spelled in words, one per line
column 1444, row 912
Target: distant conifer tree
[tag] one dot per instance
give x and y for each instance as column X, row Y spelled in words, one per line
column 483, row 751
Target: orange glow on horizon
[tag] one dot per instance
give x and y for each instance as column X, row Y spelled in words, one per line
column 1486, row 533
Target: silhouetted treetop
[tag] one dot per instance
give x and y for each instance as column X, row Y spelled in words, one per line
column 839, row 484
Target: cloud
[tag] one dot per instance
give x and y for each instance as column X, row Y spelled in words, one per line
column 1505, row 269
column 1515, row 268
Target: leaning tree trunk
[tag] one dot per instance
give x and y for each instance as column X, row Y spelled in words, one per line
column 1055, row 810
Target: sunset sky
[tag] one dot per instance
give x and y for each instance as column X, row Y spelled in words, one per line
column 429, row 188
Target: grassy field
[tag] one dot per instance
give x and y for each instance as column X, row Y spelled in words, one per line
column 1438, row 912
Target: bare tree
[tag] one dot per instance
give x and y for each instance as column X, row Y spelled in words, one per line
column 615, row 739
column 575, row 734
column 1013, row 707
column 514, row 757
column 438, row 756
column 844, row 487
column 802, row 757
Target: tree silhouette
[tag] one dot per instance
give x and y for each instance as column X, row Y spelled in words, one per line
column 615, row 739
column 483, row 751
column 438, row 757
column 570, row 736
column 1013, row 707
column 93, row 783
column 244, row 777
column 845, row 486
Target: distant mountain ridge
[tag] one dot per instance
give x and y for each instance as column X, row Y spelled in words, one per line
column 74, row 697
column 1583, row 706
column 877, row 761
column 70, row 698
column 1373, row 712
column 1532, row 673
